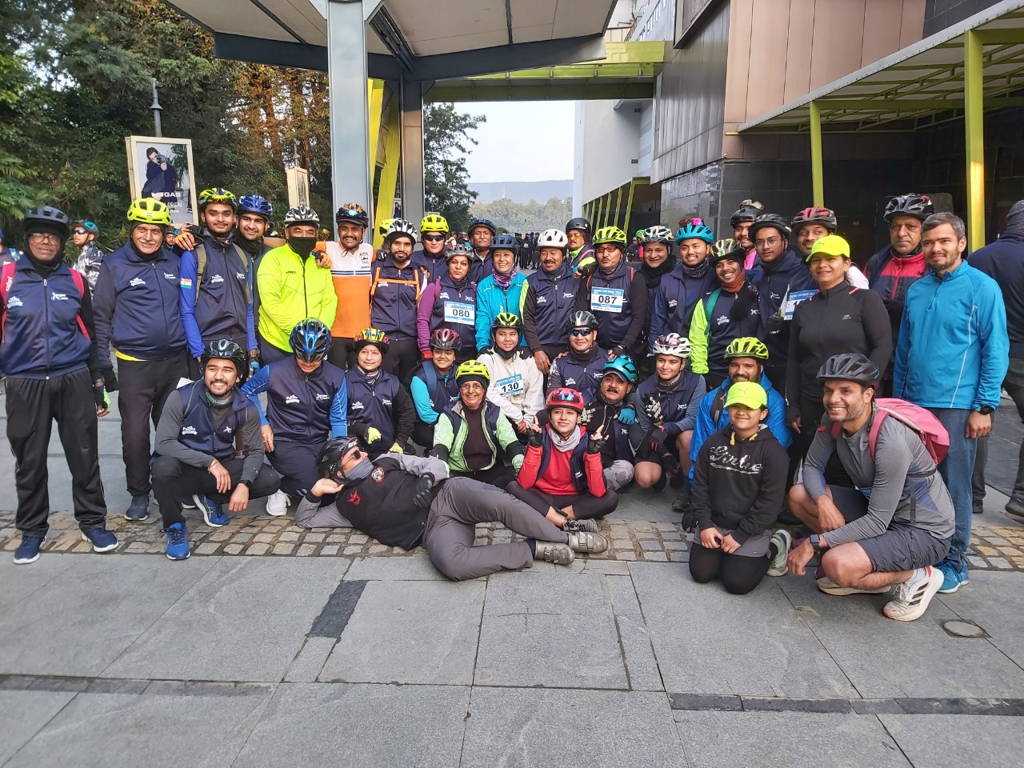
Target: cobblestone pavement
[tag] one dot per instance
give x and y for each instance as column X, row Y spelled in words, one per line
column 999, row 548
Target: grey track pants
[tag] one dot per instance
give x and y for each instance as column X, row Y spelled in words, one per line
column 454, row 513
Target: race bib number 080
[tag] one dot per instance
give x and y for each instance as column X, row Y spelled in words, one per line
column 607, row 299
column 459, row 312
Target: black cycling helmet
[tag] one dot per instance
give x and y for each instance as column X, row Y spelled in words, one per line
column 46, row 217
column 485, row 223
column 771, row 220
column 850, row 366
column 910, row 204
column 226, row 349
column 505, row 242
column 748, row 211
column 580, row 224
column 328, row 463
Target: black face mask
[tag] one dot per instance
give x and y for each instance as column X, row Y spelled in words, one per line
column 302, row 245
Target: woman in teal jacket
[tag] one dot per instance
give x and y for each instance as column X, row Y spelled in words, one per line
column 502, row 291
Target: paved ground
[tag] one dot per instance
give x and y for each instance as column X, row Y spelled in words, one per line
column 275, row 646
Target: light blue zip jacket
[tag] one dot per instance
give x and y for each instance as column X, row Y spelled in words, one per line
column 952, row 351
column 492, row 300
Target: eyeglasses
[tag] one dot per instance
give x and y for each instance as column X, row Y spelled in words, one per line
column 581, row 331
column 43, row 237
column 434, row 238
column 767, row 241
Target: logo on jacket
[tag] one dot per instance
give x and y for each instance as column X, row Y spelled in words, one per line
column 568, row 295
column 377, row 474
column 356, row 405
column 847, row 317
column 386, row 401
column 322, row 396
column 443, row 295
column 172, row 278
column 291, row 400
column 353, row 498
column 673, row 303
column 14, row 301
column 240, row 275
column 135, row 282
column 542, row 299
column 722, row 320
column 570, row 382
column 59, row 296
column 214, row 279
column 189, row 431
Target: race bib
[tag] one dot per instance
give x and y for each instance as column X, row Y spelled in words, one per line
column 607, row 299
column 459, row 312
column 511, row 386
column 792, row 299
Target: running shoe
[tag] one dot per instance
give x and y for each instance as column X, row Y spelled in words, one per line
column 575, row 526
column 28, row 551
column 913, row 595
column 829, row 587
column 277, row 504
column 177, row 542
column 214, row 516
column 584, row 541
column 102, row 539
column 952, row 579
column 138, row 510
column 782, row 541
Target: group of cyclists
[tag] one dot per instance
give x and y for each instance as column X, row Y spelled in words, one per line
column 419, row 390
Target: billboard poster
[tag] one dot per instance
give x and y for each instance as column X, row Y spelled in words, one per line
column 162, row 168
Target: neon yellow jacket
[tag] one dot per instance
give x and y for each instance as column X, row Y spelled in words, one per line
column 292, row 289
column 699, row 339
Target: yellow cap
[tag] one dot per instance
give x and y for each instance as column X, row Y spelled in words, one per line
column 747, row 393
column 830, row 245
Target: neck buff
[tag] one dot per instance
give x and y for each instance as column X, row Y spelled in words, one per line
column 359, row 472
column 735, row 285
column 670, row 385
column 653, row 275
column 696, row 272
column 251, row 247
column 565, row 444
column 213, row 401
column 504, row 280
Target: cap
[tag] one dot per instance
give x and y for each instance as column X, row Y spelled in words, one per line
column 830, row 245
column 747, row 393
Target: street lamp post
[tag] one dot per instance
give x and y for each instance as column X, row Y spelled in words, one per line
column 155, row 106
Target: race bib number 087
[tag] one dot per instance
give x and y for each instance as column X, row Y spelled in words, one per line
column 607, row 299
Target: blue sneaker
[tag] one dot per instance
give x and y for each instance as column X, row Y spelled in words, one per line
column 211, row 510
column 177, row 542
column 28, row 551
column 952, row 579
column 102, row 539
column 138, row 510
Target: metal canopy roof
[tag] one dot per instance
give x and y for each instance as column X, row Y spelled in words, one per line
column 919, row 81
column 410, row 38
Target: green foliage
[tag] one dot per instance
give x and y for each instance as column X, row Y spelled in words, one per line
column 446, row 142
column 529, row 217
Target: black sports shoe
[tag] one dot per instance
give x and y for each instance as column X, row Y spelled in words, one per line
column 575, row 526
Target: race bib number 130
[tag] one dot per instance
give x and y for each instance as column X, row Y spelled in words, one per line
column 607, row 299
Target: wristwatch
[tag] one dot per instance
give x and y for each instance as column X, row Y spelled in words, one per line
column 815, row 540
column 985, row 410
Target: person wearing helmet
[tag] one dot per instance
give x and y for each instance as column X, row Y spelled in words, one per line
column 254, row 214
column 747, row 357
column 548, row 298
column 216, row 282
column 613, row 411
column 433, row 233
column 138, row 314
column 657, row 261
column 501, row 292
column 562, row 477
column 582, row 365
column 380, row 411
column 580, row 252
column 396, row 284
column 450, row 302
column 481, row 235
column 740, row 221
column 738, row 491
column 90, row 255
column 684, row 285
column 291, row 286
column 615, row 293
column 7, row 254
column 473, row 437
column 195, row 447
column 899, row 264
column 897, row 520
column 838, row 318
column 350, row 260
column 668, row 402
column 516, row 384
column 433, row 386
column 407, row 501
column 53, row 373
column 728, row 312
column 812, row 224
column 782, row 281
column 307, row 403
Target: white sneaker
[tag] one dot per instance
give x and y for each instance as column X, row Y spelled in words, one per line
column 829, row 587
column 782, row 541
column 277, row 503
column 914, row 594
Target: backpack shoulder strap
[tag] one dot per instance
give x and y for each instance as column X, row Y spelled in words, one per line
column 881, row 414
column 375, row 277
column 717, row 406
column 78, row 280
column 6, row 278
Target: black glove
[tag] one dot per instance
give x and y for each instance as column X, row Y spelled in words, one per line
column 595, row 444
column 775, row 324
column 99, row 396
column 424, row 495
column 618, row 350
column 536, row 439
column 652, row 408
column 109, row 379
column 656, row 441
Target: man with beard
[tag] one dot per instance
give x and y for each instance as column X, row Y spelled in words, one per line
column 658, row 261
column 396, row 284
column 349, row 259
column 740, row 221
column 549, row 296
column 681, row 289
column 580, row 254
column 612, row 413
column 582, row 366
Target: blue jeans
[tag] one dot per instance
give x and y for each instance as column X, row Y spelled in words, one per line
column 956, row 471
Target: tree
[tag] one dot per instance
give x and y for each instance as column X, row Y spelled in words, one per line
column 528, row 217
column 446, row 143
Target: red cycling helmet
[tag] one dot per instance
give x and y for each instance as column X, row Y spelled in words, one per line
column 564, row 397
column 824, row 216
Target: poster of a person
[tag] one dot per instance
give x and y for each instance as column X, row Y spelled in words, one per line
column 161, row 168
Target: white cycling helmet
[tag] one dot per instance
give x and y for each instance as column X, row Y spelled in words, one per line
column 401, row 227
column 672, row 344
column 553, row 238
column 301, row 214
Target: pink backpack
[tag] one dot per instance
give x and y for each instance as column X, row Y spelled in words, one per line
column 921, row 420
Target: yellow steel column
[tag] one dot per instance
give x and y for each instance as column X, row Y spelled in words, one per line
column 385, row 205
column 629, row 207
column 974, row 127
column 817, row 171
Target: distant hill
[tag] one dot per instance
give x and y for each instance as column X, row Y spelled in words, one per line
column 521, row 191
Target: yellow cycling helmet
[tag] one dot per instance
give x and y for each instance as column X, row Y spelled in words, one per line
column 472, row 368
column 747, row 346
column 217, row 195
column 434, row 222
column 373, row 336
column 146, row 210
column 385, row 225
column 609, row 235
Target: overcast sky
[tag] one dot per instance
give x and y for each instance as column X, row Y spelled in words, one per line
column 521, row 141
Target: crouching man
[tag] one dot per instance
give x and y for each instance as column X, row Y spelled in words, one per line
column 405, row 501
column 195, row 447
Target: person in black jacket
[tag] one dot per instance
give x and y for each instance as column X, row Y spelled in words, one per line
column 738, row 491
column 838, row 318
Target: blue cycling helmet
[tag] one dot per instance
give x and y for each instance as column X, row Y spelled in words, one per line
column 622, row 365
column 255, row 204
column 310, row 339
column 506, row 241
column 695, row 229
column 482, row 223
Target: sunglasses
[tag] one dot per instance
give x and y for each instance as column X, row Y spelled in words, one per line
column 80, row 232
column 581, row 331
column 434, row 238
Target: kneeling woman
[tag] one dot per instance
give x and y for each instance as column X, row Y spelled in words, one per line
column 562, row 477
column 738, row 491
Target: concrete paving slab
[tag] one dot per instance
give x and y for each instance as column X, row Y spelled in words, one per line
column 21, row 582
column 890, row 658
column 23, row 713
column 786, row 740
column 103, row 730
column 412, row 568
column 91, row 612
column 955, row 741
column 245, row 620
column 410, row 632
column 590, row 729
column 708, row 641
column 634, row 638
column 994, row 601
column 549, row 629
column 371, row 725
column 646, row 504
